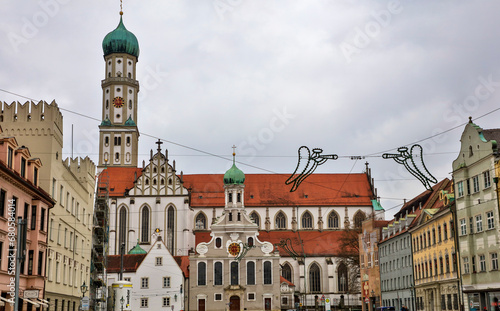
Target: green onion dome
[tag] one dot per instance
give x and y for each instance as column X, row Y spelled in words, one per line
column 137, row 250
column 234, row 176
column 120, row 40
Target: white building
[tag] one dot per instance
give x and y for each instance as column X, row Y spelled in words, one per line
column 158, row 279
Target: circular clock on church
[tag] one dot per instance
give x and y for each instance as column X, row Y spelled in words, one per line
column 234, row 249
column 118, row 102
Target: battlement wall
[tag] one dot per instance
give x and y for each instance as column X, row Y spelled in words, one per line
column 82, row 168
column 32, row 115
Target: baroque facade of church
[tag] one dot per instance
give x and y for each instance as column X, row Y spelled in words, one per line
column 302, row 230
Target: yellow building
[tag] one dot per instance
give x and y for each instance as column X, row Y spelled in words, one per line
column 436, row 273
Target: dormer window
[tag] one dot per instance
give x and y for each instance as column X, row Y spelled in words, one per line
column 35, row 176
column 238, row 197
column 23, row 167
column 230, row 197
column 10, row 152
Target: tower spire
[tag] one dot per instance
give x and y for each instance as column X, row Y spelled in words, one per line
column 234, row 153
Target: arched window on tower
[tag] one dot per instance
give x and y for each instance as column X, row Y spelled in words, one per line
column 314, row 278
column 202, row 273
column 359, row 217
column 307, row 221
column 342, row 277
column 201, row 222
column 122, row 238
column 280, row 221
column 255, row 217
column 333, row 220
column 145, row 224
column 286, row 272
column 171, row 229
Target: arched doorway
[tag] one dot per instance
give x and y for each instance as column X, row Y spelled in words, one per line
column 234, row 303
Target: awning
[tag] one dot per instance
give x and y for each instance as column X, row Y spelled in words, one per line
column 44, row 301
column 36, row 304
column 46, row 305
column 5, row 299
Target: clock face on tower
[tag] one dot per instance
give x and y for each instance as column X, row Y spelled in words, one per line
column 118, row 102
column 234, row 249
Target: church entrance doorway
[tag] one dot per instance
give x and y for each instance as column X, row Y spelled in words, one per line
column 234, row 303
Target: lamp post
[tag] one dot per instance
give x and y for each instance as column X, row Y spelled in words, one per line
column 122, row 301
column 83, row 288
column 374, row 299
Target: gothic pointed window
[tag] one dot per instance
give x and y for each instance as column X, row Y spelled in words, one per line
column 314, row 278
column 333, row 220
column 359, row 217
column 145, row 224
column 171, row 229
column 255, row 217
column 280, row 221
column 307, row 221
column 201, row 222
column 286, row 272
column 122, row 238
column 342, row 278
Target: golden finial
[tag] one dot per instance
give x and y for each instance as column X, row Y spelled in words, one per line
column 234, row 152
column 121, row 7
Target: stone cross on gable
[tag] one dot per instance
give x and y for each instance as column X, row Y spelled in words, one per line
column 159, row 142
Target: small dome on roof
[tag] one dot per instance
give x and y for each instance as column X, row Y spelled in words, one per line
column 234, row 176
column 137, row 250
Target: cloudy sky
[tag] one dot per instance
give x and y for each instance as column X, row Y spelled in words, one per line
column 354, row 77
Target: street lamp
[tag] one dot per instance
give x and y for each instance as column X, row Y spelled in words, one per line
column 374, row 300
column 83, row 288
column 122, row 301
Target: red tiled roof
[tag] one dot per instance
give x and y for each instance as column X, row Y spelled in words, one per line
column 270, row 190
column 121, row 179
column 282, row 279
column 427, row 199
column 183, row 263
column 130, row 263
column 314, row 243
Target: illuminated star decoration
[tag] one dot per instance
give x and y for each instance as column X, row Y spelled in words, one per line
column 414, row 163
column 307, row 165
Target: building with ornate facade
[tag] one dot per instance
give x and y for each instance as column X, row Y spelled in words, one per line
column 397, row 271
column 70, row 182
column 437, row 279
column 307, row 224
column 477, row 213
column 22, row 196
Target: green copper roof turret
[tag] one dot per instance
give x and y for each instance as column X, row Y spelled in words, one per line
column 137, row 250
column 234, row 176
column 120, row 40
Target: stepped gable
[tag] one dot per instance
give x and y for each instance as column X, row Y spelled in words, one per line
column 121, row 179
column 270, row 190
column 314, row 243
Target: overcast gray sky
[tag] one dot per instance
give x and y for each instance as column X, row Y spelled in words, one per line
column 355, row 78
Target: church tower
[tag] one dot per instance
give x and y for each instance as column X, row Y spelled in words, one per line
column 118, row 132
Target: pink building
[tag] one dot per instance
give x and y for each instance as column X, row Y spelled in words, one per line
column 21, row 196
